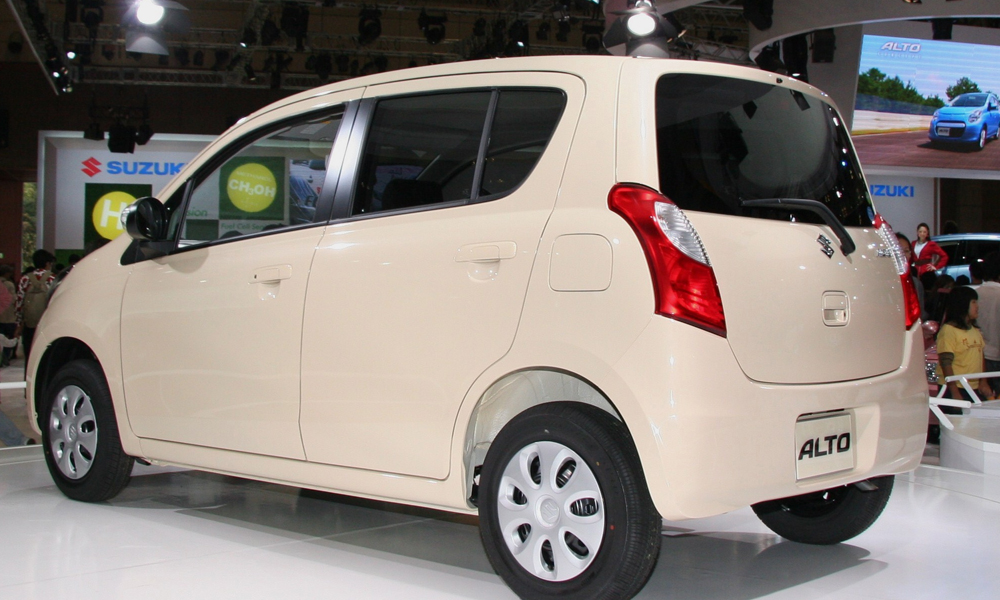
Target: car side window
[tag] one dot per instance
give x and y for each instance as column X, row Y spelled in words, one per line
column 951, row 249
column 522, row 126
column 271, row 183
column 415, row 147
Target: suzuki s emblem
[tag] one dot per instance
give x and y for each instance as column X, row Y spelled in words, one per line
column 827, row 246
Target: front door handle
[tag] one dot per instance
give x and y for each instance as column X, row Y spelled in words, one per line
column 272, row 274
column 486, row 252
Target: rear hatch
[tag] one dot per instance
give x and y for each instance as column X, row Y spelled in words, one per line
column 801, row 305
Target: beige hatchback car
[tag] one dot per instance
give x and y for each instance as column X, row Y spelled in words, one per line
column 575, row 295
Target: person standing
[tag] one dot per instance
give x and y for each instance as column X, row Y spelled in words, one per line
column 960, row 344
column 8, row 317
column 989, row 316
column 32, row 297
column 927, row 256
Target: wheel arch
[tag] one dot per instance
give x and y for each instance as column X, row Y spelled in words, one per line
column 510, row 396
column 59, row 353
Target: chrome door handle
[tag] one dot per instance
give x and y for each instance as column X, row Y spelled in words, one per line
column 486, row 252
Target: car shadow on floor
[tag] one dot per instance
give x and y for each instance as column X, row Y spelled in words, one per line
column 692, row 565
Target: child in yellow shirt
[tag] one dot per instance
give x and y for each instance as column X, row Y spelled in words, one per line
column 960, row 343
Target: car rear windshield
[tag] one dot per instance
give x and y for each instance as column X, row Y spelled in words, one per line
column 722, row 141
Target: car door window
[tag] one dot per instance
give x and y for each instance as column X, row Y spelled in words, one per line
column 271, row 183
column 952, row 250
column 522, row 126
column 415, row 144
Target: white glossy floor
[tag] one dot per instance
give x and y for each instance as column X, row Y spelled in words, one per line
column 192, row 535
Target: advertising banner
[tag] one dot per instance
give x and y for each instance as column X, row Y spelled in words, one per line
column 83, row 187
column 927, row 104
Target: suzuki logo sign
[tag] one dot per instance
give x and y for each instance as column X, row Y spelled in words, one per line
column 91, row 166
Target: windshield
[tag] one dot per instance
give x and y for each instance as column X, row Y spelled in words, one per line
column 721, row 141
column 969, row 100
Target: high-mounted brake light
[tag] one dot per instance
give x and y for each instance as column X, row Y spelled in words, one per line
column 911, row 302
column 683, row 278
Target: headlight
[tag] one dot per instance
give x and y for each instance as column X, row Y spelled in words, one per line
column 937, row 113
column 975, row 115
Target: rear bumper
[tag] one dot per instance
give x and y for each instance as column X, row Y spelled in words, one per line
column 712, row 441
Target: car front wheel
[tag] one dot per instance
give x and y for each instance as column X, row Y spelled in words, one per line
column 80, row 435
column 828, row 516
column 563, row 507
column 981, row 142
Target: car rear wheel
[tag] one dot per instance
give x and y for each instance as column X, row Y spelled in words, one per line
column 829, row 516
column 80, row 435
column 563, row 507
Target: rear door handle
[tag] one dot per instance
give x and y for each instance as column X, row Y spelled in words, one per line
column 271, row 274
column 486, row 252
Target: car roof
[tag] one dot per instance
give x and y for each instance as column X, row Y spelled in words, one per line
column 583, row 66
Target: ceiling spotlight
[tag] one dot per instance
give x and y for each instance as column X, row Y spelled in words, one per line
column 369, row 25
column 94, row 132
column 641, row 24
column 518, row 34
column 542, row 33
column 121, row 138
column 323, row 66
column 70, row 54
column 221, row 59
column 562, row 34
column 108, row 52
column 592, row 33
column 249, row 72
column 432, row 26
column 249, row 38
column 183, row 56
column 269, row 32
column 148, row 12
column 143, row 134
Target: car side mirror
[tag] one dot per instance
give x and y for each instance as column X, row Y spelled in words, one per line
column 146, row 220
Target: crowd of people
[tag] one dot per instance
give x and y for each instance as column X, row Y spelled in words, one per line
column 21, row 308
column 967, row 310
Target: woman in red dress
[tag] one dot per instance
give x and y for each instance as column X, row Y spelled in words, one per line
column 927, row 256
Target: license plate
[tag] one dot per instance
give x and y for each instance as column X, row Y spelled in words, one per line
column 945, row 131
column 824, row 445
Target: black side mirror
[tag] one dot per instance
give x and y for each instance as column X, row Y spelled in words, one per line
column 146, row 220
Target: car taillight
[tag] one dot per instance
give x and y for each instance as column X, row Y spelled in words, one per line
column 911, row 303
column 683, row 278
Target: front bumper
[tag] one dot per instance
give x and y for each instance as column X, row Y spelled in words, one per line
column 957, row 131
column 712, row 441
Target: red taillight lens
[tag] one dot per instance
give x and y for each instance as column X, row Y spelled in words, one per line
column 911, row 302
column 683, row 278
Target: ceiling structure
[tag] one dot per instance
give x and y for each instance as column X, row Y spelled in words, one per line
column 298, row 45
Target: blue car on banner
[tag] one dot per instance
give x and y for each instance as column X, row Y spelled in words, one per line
column 970, row 118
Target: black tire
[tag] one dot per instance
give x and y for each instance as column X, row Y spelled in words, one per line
column 827, row 517
column 626, row 529
column 80, row 435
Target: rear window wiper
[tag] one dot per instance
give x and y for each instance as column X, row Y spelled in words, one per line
column 846, row 242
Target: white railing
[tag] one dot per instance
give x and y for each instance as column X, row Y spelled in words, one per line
column 940, row 400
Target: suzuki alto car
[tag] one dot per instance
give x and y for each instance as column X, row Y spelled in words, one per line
column 574, row 295
column 971, row 119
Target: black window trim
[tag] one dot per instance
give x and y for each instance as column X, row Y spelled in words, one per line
column 324, row 204
column 347, row 188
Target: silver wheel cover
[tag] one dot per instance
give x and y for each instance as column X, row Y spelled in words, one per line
column 553, row 527
column 73, row 432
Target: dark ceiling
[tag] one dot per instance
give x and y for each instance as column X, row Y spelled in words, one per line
column 298, row 45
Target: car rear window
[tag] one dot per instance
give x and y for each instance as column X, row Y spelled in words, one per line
column 721, row 141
